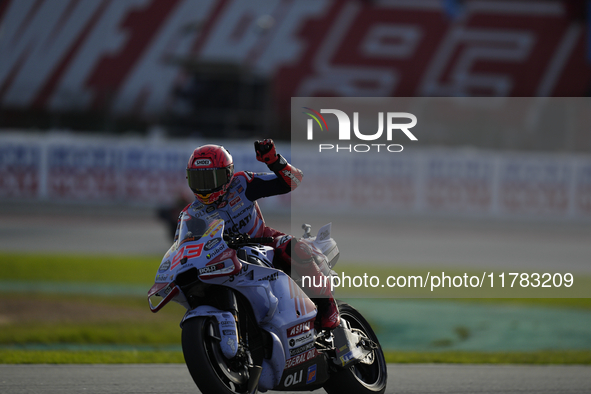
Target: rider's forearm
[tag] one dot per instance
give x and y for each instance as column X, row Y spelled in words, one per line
column 288, row 173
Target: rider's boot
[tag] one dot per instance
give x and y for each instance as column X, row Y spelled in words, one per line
column 305, row 265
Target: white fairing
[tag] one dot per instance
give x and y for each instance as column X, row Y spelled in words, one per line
column 279, row 305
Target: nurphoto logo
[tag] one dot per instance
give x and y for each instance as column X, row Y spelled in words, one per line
column 344, row 133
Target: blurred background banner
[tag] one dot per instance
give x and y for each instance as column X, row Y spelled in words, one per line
column 82, row 168
column 229, row 68
column 77, row 168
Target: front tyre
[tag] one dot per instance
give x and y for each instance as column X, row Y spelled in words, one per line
column 211, row 371
column 367, row 376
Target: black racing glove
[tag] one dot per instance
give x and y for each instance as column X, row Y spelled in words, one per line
column 265, row 151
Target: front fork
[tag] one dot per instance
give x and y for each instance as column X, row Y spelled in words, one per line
column 224, row 308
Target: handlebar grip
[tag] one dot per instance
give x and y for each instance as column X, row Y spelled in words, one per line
column 262, row 240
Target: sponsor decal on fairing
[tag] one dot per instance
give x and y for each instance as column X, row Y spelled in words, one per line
column 301, row 349
column 164, row 266
column 294, row 378
column 211, row 268
column 300, row 328
column 301, row 358
column 311, row 374
column 302, row 339
column 212, row 243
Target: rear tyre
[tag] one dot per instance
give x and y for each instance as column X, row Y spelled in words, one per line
column 211, row 371
column 368, row 376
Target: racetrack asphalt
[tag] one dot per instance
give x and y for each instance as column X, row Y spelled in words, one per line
column 402, row 379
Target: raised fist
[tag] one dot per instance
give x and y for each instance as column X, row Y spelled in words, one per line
column 265, row 150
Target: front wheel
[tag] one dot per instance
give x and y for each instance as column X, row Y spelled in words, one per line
column 209, row 368
column 368, row 376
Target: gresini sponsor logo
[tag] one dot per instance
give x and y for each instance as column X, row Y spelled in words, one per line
column 301, row 349
column 299, row 328
column 394, row 123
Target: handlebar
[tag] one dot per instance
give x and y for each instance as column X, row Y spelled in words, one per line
column 237, row 240
column 262, row 240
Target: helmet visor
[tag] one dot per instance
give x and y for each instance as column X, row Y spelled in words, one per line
column 208, row 179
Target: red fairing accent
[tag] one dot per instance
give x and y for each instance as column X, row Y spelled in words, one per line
column 228, row 254
column 156, row 288
column 292, row 176
column 174, row 290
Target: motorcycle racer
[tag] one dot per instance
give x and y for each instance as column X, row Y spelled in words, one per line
column 220, row 192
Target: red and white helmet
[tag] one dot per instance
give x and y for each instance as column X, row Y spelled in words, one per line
column 209, row 172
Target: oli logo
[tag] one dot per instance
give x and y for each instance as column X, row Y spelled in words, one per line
column 345, row 129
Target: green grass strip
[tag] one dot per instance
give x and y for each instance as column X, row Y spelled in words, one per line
column 79, row 268
column 89, row 357
column 161, row 333
column 570, row 357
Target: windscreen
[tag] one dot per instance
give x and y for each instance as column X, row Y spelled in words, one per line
column 192, row 228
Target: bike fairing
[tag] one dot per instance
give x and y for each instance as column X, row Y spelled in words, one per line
column 279, row 305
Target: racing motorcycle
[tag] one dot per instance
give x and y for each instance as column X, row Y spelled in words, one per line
column 250, row 327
